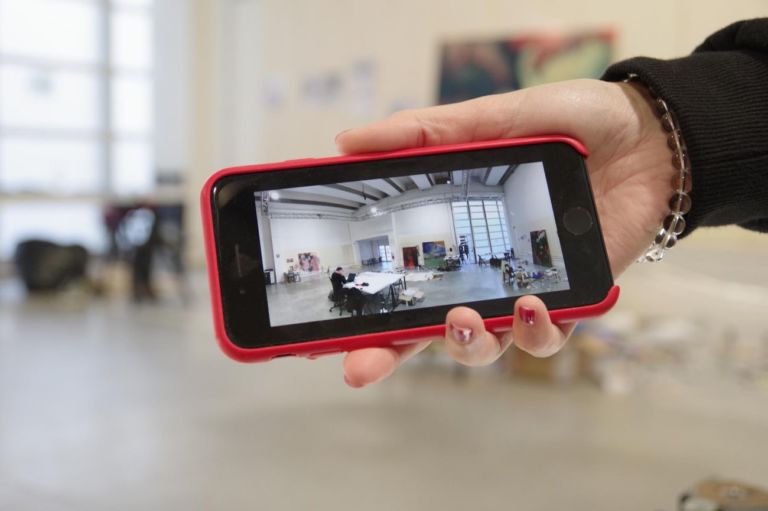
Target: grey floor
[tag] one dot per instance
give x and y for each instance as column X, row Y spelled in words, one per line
column 308, row 300
column 106, row 406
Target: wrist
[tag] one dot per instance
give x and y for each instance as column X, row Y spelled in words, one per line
column 679, row 171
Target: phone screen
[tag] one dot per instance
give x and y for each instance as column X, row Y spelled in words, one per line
column 355, row 247
column 412, row 241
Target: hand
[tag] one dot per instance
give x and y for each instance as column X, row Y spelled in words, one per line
column 630, row 172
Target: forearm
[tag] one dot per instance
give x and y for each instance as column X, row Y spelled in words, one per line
column 720, row 97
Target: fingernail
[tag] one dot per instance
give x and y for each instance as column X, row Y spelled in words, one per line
column 348, row 382
column 340, row 134
column 461, row 335
column 527, row 315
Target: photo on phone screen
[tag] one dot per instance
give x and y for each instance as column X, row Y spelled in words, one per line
column 380, row 246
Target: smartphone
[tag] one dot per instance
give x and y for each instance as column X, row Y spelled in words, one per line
column 318, row 256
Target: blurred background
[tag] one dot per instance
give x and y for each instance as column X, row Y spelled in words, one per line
column 113, row 394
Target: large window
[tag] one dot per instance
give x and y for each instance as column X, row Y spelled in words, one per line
column 75, row 114
column 482, row 224
column 385, row 252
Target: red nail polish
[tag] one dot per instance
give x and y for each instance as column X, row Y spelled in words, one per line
column 461, row 335
column 527, row 315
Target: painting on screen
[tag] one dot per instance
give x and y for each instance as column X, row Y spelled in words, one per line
column 434, row 253
column 309, row 262
column 540, row 246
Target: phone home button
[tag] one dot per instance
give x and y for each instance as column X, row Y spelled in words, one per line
column 577, row 221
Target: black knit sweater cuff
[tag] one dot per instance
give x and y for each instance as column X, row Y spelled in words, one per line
column 720, row 99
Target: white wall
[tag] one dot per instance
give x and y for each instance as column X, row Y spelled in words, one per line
column 264, row 224
column 370, row 248
column 172, row 91
column 427, row 223
column 341, row 243
column 251, row 58
column 376, row 227
column 529, row 208
column 402, row 38
column 329, row 239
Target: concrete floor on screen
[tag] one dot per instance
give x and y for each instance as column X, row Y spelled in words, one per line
column 308, row 300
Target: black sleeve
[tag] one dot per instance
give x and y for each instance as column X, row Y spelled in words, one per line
column 720, row 97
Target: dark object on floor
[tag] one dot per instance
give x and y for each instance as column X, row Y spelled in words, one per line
column 147, row 238
column 45, row 266
column 355, row 301
column 337, row 295
column 716, row 495
column 450, row 264
column 138, row 235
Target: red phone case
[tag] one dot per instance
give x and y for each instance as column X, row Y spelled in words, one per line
column 313, row 349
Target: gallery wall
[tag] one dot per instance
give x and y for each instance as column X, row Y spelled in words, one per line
column 343, row 243
column 392, row 48
column 529, row 208
column 426, row 223
column 368, row 249
column 374, row 227
column 328, row 239
column 256, row 60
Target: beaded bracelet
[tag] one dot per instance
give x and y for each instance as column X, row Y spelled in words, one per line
column 673, row 224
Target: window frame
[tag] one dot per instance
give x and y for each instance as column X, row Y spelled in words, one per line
column 105, row 136
column 482, row 235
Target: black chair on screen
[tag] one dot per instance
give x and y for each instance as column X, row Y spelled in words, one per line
column 338, row 296
column 355, row 301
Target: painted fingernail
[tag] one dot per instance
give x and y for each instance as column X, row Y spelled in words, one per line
column 461, row 335
column 527, row 315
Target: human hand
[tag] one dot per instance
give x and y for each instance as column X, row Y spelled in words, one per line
column 629, row 169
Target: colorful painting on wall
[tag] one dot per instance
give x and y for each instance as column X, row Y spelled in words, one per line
column 469, row 69
column 309, row 262
column 540, row 247
column 434, row 253
column 411, row 257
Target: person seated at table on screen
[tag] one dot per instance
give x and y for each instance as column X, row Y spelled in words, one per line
column 338, row 279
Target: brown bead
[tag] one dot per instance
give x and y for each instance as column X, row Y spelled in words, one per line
column 661, row 107
column 681, row 202
column 680, row 160
column 671, row 141
column 661, row 237
column 667, row 123
column 682, row 182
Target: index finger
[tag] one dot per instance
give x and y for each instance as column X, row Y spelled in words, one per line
column 483, row 118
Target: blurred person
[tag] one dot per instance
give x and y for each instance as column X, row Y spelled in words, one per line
column 338, row 278
column 719, row 98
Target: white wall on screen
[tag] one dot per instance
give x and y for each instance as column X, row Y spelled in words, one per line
column 370, row 248
column 529, row 208
column 264, row 225
column 329, row 239
column 426, row 223
column 374, row 227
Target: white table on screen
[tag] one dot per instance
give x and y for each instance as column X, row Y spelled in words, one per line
column 377, row 282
